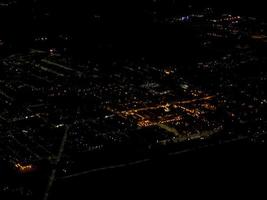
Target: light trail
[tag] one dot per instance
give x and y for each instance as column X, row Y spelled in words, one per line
column 57, row 160
column 167, row 105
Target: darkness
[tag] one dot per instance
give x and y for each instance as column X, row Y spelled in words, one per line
column 224, row 170
column 125, row 26
column 116, row 18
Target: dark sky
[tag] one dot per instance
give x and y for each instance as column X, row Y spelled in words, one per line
column 72, row 8
column 69, row 14
column 250, row 7
column 255, row 6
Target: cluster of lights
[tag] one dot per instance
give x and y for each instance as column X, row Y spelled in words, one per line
column 24, row 168
column 192, row 112
column 147, row 123
column 209, row 106
column 215, row 35
column 144, row 121
column 228, row 18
